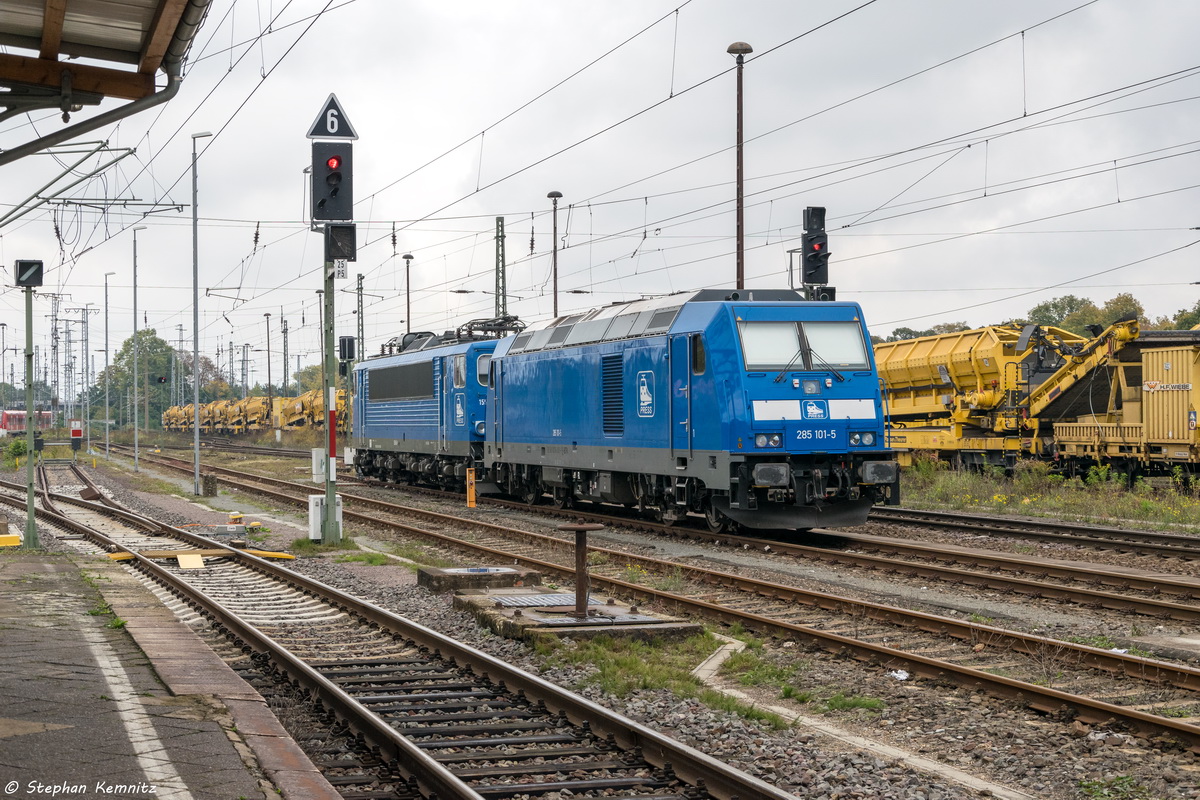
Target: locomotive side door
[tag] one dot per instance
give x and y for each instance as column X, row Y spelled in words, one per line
column 443, row 390
column 681, row 399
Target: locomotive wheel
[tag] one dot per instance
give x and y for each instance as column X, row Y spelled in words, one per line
column 563, row 498
column 717, row 522
column 531, row 495
column 664, row 515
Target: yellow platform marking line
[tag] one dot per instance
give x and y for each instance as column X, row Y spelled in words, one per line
column 214, row 553
column 10, row 540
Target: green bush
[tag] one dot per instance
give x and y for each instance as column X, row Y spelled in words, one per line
column 16, row 448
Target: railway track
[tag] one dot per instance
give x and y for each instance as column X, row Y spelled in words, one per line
column 1171, row 545
column 437, row 718
column 1045, row 674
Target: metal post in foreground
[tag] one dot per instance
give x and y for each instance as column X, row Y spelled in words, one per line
column 196, row 323
column 30, row 541
column 330, row 534
column 582, row 582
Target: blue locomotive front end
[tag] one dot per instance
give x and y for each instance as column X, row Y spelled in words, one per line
column 756, row 408
column 419, row 415
column 807, row 417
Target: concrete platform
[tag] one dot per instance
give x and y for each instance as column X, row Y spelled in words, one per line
column 532, row 612
column 90, row 707
column 453, row 579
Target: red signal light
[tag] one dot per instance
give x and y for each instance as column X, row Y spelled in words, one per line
column 816, row 246
column 334, row 162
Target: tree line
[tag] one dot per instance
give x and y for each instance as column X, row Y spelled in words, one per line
column 1071, row 313
column 152, row 392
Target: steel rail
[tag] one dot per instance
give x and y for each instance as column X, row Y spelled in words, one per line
column 1187, row 588
column 1173, row 545
column 658, row 749
column 1038, row 697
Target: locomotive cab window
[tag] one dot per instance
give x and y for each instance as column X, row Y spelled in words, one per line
column 481, row 368
column 837, row 343
column 697, row 354
column 770, row 345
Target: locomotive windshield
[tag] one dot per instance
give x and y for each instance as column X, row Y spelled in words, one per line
column 770, row 346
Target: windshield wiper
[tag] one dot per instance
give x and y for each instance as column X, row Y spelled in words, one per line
column 826, row 365
column 783, row 371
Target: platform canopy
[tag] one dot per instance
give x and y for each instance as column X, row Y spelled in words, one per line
column 70, row 54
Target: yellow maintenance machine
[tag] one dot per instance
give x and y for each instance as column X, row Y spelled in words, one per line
column 990, row 396
column 258, row 413
column 298, row 412
column 1150, row 423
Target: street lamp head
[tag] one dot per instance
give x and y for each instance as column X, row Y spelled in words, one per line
column 407, row 257
column 201, row 134
column 739, row 49
column 139, row 228
column 554, row 195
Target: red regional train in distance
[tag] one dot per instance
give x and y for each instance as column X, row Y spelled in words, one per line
column 13, row 422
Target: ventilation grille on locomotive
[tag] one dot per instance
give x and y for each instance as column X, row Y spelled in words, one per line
column 612, row 393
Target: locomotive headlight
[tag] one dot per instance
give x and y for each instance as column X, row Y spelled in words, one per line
column 865, row 438
column 768, row 439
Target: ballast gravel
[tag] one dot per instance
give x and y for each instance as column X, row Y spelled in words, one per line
column 1036, row 757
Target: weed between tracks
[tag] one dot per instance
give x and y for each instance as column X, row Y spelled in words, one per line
column 790, row 677
column 1032, row 490
column 1123, row 787
column 623, row 666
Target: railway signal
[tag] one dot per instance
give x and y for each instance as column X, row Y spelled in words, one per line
column 814, row 248
column 332, row 200
column 332, row 181
column 28, row 272
column 341, row 242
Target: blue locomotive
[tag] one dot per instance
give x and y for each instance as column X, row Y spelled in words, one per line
column 754, row 407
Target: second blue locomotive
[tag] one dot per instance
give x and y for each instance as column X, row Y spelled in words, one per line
column 755, row 407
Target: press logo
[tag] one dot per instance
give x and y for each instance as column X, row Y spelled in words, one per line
column 815, row 409
column 645, row 393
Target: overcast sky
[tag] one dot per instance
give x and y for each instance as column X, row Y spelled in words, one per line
column 975, row 159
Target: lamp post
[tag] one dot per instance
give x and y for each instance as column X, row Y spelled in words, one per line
column 3, row 349
column 107, row 419
column 554, row 251
column 135, row 349
column 740, row 50
column 87, row 381
column 407, row 293
column 196, row 322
